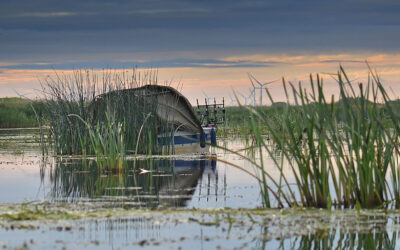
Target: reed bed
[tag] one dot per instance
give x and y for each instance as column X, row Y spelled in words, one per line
column 342, row 154
column 89, row 114
column 17, row 112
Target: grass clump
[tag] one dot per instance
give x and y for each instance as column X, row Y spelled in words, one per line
column 342, row 154
column 92, row 115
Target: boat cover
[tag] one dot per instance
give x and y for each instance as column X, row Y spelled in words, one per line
column 172, row 106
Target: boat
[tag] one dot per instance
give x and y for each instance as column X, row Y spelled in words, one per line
column 187, row 131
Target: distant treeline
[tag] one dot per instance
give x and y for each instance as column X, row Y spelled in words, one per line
column 18, row 112
column 236, row 115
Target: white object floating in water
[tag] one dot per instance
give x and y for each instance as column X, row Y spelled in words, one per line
column 144, row 171
column 124, row 188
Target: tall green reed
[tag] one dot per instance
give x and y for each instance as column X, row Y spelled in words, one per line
column 92, row 114
column 342, row 154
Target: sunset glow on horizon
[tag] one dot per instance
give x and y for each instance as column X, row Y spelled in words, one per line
column 223, row 81
column 201, row 46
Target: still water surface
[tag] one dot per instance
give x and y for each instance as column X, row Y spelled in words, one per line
column 188, row 181
column 184, row 182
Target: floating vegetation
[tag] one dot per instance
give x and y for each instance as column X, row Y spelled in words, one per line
column 293, row 228
column 37, row 213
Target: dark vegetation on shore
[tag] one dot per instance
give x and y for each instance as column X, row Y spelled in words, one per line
column 18, row 112
column 238, row 117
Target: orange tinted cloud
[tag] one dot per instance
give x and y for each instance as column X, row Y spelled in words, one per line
column 221, row 82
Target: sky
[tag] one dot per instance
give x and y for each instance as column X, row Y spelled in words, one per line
column 205, row 46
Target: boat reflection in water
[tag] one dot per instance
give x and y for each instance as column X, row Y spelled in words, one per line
column 148, row 182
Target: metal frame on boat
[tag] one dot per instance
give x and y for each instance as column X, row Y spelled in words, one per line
column 187, row 131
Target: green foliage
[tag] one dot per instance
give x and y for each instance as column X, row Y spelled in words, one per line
column 340, row 153
column 36, row 213
column 18, row 113
column 89, row 117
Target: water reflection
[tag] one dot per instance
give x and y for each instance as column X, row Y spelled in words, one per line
column 142, row 183
column 351, row 231
column 345, row 240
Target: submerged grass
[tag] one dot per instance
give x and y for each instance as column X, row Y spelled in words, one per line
column 37, row 214
column 342, row 154
column 293, row 229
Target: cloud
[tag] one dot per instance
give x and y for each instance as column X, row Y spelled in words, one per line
column 219, row 81
column 47, row 14
column 249, row 61
column 175, row 63
column 342, row 61
column 195, row 34
column 33, row 29
column 251, row 14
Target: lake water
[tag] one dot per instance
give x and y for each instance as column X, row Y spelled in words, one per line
column 188, row 181
column 183, row 182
